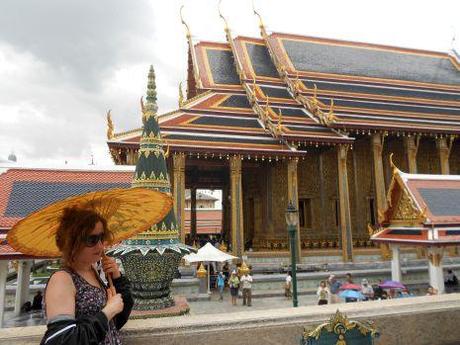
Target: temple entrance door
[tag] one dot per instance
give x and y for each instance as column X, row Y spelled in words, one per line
column 249, row 223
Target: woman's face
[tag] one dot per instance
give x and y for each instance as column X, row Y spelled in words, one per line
column 93, row 247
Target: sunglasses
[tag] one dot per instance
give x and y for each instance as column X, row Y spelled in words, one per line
column 92, row 240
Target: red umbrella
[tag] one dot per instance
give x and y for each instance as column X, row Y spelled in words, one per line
column 350, row 286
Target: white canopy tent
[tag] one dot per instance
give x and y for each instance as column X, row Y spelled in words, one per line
column 209, row 253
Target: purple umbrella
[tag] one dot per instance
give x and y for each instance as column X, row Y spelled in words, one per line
column 392, row 284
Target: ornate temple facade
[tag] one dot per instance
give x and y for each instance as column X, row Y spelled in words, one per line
column 285, row 117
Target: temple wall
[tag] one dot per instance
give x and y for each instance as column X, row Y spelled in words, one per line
column 428, row 161
column 454, row 159
column 279, row 202
column 361, row 186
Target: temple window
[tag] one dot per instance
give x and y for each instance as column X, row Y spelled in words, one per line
column 305, row 213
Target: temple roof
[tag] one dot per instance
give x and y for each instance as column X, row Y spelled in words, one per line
column 421, row 209
column 282, row 93
column 26, row 190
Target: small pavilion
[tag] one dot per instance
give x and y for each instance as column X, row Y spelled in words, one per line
column 424, row 211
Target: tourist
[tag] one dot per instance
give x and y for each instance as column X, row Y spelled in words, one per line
column 378, row 291
column 246, row 285
column 451, row 278
column 334, row 287
column 367, row 290
column 221, row 285
column 79, row 308
column 234, row 284
column 287, row 285
column 348, row 278
column 37, row 302
column 323, row 293
column 431, row 291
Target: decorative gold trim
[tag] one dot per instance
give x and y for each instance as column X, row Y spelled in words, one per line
column 110, row 127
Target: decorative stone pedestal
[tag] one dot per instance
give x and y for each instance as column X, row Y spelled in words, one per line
column 151, row 276
column 179, row 307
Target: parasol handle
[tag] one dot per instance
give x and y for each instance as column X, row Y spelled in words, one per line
column 108, row 276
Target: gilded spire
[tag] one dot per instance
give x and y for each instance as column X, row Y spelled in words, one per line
column 110, row 127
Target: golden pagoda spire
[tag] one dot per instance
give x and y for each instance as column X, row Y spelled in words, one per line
column 110, row 127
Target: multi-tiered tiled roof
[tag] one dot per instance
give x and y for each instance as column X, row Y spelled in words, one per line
column 26, row 190
column 279, row 94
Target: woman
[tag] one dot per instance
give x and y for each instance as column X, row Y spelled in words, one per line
column 287, row 285
column 323, row 293
column 79, row 308
column 221, row 285
column 234, row 284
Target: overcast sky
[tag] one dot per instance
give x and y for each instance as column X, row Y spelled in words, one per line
column 64, row 63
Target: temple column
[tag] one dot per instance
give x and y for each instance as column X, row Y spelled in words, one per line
column 236, row 206
column 444, row 153
column 293, row 196
column 379, row 183
column 192, row 214
column 179, row 192
column 3, row 276
column 22, row 292
column 395, row 263
column 435, row 268
column 344, row 204
column 322, row 193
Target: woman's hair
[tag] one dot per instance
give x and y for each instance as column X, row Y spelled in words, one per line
column 74, row 227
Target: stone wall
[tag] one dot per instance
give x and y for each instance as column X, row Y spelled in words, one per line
column 427, row 320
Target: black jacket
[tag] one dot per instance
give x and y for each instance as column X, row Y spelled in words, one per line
column 89, row 330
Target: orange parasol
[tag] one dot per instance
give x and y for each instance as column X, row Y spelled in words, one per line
column 127, row 211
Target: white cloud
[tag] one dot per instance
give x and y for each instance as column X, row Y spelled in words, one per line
column 64, row 64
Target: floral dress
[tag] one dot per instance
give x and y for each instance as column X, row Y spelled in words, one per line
column 90, row 300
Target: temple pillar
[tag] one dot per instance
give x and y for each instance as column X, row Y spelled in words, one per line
column 236, row 206
column 395, row 263
column 444, row 153
column 192, row 214
column 179, row 192
column 411, row 145
column 3, row 276
column 344, row 204
column 22, row 292
column 379, row 184
column 435, row 268
column 293, row 196
column 322, row 193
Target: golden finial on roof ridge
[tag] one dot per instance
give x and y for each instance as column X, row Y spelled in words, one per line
column 280, row 117
column 189, row 35
column 110, row 127
column 223, row 18
column 261, row 23
column 393, row 165
column 181, row 96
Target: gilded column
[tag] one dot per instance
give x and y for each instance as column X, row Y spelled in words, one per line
column 179, row 192
column 379, row 184
column 293, row 196
column 344, row 202
column 411, row 145
column 236, row 206
column 444, row 153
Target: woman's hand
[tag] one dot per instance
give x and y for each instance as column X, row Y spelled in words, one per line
column 110, row 267
column 114, row 304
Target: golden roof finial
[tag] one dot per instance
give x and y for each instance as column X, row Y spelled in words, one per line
column 181, row 96
column 189, row 35
column 223, row 18
column 142, row 109
column 261, row 23
column 393, row 165
column 167, row 149
column 110, row 127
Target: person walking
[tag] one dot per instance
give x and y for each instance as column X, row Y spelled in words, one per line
column 221, row 285
column 367, row 290
column 334, row 287
column 323, row 293
column 234, row 284
column 287, row 285
column 246, row 284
